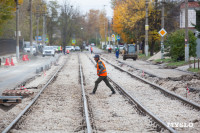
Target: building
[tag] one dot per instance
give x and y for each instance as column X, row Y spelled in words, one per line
column 192, row 7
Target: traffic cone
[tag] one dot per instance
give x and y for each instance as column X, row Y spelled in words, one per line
column 27, row 58
column 24, row 58
column 12, row 63
column 7, row 62
column 143, row 73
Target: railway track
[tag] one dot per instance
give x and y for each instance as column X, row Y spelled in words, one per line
column 163, row 90
column 114, row 115
column 157, row 124
column 147, row 101
column 47, row 111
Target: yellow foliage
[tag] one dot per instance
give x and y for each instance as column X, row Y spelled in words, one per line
column 103, row 24
column 20, row 2
column 127, row 13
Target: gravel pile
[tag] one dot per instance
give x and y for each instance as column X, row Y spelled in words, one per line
column 111, row 113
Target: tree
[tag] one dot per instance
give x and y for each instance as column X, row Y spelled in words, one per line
column 6, row 11
column 103, row 21
column 175, row 44
column 52, row 20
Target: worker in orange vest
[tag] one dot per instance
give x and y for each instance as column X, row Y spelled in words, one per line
column 61, row 49
column 102, row 73
column 91, row 49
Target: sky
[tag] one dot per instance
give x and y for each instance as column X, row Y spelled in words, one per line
column 86, row 5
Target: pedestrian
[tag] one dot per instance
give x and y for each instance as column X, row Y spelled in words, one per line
column 91, row 49
column 117, row 53
column 102, row 73
column 59, row 48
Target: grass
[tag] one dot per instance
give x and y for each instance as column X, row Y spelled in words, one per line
column 179, row 63
column 194, row 70
column 170, row 62
column 143, row 56
column 164, row 60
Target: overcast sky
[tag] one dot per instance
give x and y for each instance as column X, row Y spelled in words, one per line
column 86, row 5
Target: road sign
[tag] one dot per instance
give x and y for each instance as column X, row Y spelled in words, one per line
column 162, row 32
column 146, row 27
column 39, row 38
column 113, row 37
column 73, row 42
column 118, row 38
column 47, row 40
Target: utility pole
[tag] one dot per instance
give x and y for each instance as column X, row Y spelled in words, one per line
column 31, row 30
column 44, row 23
column 105, row 26
column 109, row 31
column 146, row 30
column 162, row 26
column 37, row 15
column 186, row 33
column 17, row 29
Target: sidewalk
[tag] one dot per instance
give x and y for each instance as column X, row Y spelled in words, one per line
column 12, row 76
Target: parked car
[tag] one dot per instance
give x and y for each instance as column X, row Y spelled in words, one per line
column 27, row 47
column 56, row 48
column 48, row 51
column 70, row 48
column 86, row 48
column 77, row 48
column 92, row 44
column 109, row 46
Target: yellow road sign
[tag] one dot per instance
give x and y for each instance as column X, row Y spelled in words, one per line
column 162, row 32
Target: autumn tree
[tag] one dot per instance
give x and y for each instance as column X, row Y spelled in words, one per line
column 103, row 25
column 7, row 8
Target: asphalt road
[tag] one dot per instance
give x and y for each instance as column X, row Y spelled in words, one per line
column 12, row 76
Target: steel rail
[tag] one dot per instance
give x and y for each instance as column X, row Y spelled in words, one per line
column 89, row 129
column 154, row 117
column 8, row 128
column 157, row 119
column 193, row 104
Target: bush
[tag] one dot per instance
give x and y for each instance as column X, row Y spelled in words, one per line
column 176, row 44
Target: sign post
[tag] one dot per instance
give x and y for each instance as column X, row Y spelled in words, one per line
column 162, row 32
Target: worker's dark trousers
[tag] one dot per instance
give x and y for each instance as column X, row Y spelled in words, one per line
column 104, row 78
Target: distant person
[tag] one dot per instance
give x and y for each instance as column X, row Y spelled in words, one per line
column 102, row 73
column 64, row 50
column 61, row 49
column 117, row 53
column 91, row 49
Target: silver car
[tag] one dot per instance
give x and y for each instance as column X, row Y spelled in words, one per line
column 48, row 51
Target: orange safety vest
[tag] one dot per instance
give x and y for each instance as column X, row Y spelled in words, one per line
column 104, row 72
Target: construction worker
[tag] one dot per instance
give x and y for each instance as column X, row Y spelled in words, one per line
column 102, row 73
column 91, row 49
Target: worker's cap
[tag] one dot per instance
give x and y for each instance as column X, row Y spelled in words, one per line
column 96, row 56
